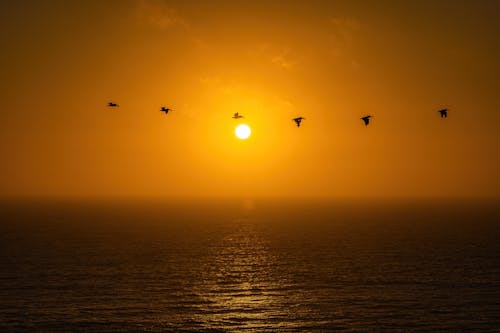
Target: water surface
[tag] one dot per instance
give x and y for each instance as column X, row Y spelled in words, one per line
column 263, row 265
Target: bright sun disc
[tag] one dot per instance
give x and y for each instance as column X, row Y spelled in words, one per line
column 242, row 131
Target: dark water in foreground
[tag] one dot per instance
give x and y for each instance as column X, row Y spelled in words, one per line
column 235, row 266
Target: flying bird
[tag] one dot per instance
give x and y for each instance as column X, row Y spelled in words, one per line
column 112, row 105
column 298, row 120
column 237, row 116
column 444, row 113
column 164, row 109
column 366, row 120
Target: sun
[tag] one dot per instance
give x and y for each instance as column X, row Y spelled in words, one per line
column 242, row 131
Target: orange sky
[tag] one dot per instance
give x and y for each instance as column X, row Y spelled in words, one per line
column 329, row 61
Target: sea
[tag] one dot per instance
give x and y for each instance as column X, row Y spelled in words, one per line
column 249, row 265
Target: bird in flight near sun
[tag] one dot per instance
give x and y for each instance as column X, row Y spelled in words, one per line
column 444, row 113
column 366, row 119
column 112, row 105
column 237, row 115
column 298, row 120
column 164, row 109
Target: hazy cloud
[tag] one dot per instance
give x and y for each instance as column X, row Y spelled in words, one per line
column 345, row 29
column 210, row 80
column 343, row 34
column 217, row 84
column 282, row 60
column 284, row 104
column 159, row 14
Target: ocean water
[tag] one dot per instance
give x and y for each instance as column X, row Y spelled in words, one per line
column 245, row 265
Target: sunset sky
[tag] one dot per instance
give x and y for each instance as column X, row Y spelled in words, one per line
column 331, row 62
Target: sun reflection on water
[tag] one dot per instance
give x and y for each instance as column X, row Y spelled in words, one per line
column 241, row 283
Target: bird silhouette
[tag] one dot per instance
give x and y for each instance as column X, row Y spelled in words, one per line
column 366, row 119
column 444, row 113
column 112, row 105
column 237, row 115
column 164, row 109
column 298, row 120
